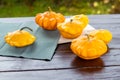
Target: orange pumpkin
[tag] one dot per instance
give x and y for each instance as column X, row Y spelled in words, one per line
column 102, row 34
column 70, row 29
column 49, row 19
column 88, row 47
column 82, row 18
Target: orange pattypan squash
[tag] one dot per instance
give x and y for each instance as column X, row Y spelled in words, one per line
column 82, row 18
column 102, row 34
column 70, row 29
column 49, row 19
column 20, row 38
column 88, row 47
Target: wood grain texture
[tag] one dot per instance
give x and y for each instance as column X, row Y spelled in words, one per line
column 65, row 65
column 61, row 60
column 98, row 73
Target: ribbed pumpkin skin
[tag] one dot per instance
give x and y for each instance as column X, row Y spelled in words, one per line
column 49, row 20
column 70, row 29
column 81, row 18
column 102, row 34
column 19, row 38
column 88, row 48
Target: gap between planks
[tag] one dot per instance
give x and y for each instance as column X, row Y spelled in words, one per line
column 53, row 69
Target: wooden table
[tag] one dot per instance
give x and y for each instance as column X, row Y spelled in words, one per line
column 65, row 65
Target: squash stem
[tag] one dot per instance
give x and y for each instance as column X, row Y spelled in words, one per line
column 26, row 28
column 88, row 37
column 49, row 8
column 71, row 20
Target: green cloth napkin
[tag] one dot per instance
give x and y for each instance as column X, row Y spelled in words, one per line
column 43, row 48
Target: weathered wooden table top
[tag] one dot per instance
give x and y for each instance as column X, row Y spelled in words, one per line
column 65, row 65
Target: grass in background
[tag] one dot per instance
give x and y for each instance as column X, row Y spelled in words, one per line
column 22, row 8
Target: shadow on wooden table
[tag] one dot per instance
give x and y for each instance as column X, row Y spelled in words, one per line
column 88, row 66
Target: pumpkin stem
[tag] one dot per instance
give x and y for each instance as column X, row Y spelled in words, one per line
column 71, row 20
column 88, row 37
column 26, row 28
column 49, row 9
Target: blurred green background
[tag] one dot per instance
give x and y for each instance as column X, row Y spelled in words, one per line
column 21, row 8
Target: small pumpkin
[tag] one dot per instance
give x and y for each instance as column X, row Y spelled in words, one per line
column 49, row 19
column 87, row 47
column 20, row 38
column 82, row 18
column 102, row 34
column 70, row 29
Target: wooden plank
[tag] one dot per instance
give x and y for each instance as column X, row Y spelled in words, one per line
column 105, row 16
column 101, row 19
column 104, row 21
column 97, row 73
column 62, row 59
column 106, row 26
column 16, row 19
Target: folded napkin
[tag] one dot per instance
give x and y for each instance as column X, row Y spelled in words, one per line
column 43, row 48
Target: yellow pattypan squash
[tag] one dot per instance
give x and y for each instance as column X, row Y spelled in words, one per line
column 82, row 18
column 49, row 19
column 70, row 29
column 88, row 47
column 102, row 34
column 20, row 38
